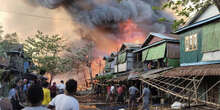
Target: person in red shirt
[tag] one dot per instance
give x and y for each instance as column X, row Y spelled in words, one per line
column 108, row 92
column 120, row 91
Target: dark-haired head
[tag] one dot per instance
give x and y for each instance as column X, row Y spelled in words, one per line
column 45, row 84
column 71, row 86
column 62, row 81
column 35, row 95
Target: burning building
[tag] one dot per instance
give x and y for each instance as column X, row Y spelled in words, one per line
column 108, row 23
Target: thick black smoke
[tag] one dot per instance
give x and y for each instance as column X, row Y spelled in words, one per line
column 108, row 13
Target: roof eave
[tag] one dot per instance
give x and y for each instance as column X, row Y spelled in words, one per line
column 211, row 19
column 154, row 44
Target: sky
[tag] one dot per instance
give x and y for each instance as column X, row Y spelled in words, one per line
column 25, row 18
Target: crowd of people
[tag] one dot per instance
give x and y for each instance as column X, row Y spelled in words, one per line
column 116, row 93
column 39, row 95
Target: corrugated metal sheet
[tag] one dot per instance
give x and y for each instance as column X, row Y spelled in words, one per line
column 207, row 70
column 173, row 50
column 211, row 37
column 212, row 19
column 153, row 73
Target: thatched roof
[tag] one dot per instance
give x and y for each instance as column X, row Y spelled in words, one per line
column 199, row 70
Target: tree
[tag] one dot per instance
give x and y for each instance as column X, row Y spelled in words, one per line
column 8, row 43
column 185, row 7
column 81, row 57
column 44, row 50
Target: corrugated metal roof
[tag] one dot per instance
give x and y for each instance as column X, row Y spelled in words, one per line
column 131, row 45
column 214, row 18
column 152, row 73
column 200, row 70
column 154, row 44
column 163, row 36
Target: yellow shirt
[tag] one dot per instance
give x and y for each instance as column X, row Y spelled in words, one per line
column 47, row 98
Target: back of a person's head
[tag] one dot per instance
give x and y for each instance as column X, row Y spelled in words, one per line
column 45, row 84
column 35, row 94
column 62, row 81
column 13, row 86
column 145, row 85
column 71, row 86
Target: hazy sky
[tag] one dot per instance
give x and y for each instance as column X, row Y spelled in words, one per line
column 26, row 17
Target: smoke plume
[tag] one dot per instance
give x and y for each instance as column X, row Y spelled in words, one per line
column 108, row 13
column 110, row 20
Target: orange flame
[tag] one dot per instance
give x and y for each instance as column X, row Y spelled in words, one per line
column 129, row 32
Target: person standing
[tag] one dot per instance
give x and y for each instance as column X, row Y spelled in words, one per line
column 120, row 91
column 132, row 99
column 14, row 97
column 108, row 93
column 61, row 87
column 53, row 90
column 46, row 91
column 35, row 96
column 112, row 93
column 65, row 101
column 145, row 95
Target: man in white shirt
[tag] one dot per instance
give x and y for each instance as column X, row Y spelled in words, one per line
column 65, row 101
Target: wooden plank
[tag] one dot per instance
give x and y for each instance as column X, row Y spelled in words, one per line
column 181, row 96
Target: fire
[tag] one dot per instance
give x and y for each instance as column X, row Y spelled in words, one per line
column 128, row 32
column 131, row 33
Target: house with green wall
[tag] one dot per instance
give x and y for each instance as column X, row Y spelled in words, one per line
column 158, row 51
column 200, row 40
column 125, row 57
column 110, row 61
column 200, row 52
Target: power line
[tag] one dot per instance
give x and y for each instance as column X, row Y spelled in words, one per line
column 36, row 16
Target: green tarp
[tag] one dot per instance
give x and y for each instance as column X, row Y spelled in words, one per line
column 144, row 54
column 211, row 38
column 108, row 65
column 122, row 58
column 155, row 52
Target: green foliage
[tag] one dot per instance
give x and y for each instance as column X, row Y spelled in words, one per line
column 8, row 42
column 162, row 19
column 177, row 23
column 184, row 8
column 44, row 51
column 80, row 56
column 104, row 77
column 155, row 8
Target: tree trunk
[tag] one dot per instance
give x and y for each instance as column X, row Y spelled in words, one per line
column 51, row 78
column 90, row 73
column 217, row 3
